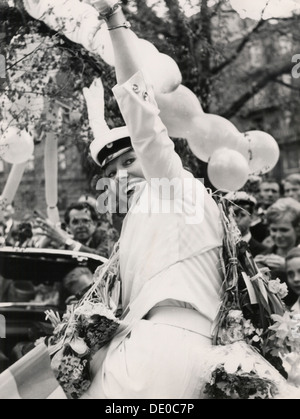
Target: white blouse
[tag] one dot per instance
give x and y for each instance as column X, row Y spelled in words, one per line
column 172, row 253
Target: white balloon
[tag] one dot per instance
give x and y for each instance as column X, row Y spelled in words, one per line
column 228, row 169
column 261, row 150
column 179, row 111
column 161, row 70
column 211, row 132
column 16, row 146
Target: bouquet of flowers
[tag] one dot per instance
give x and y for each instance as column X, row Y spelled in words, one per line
column 243, row 375
column 285, row 340
column 86, row 327
column 250, row 319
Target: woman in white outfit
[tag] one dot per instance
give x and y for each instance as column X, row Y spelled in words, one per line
column 169, row 256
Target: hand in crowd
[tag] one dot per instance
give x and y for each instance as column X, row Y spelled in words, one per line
column 52, row 232
column 272, row 261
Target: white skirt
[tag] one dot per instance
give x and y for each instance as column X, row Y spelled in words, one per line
column 155, row 361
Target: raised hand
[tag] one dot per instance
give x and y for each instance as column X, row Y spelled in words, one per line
column 104, row 7
column 55, row 234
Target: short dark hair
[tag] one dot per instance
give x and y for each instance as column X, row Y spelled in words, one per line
column 270, row 180
column 294, row 179
column 80, row 206
column 244, row 205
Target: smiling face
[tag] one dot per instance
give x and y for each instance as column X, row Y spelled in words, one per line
column 283, row 233
column 127, row 172
column 293, row 274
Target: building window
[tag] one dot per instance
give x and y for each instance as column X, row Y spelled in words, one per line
column 292, row 157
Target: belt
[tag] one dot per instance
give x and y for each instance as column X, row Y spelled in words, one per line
column 184, row 318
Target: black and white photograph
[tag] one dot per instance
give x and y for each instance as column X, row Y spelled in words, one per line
column 150, row 202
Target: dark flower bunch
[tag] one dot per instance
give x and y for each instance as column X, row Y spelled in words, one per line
column 240, row 385
column 85, row 328
column 250, row 297
column 98, row 330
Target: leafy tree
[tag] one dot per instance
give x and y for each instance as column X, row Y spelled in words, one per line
column 212, row 48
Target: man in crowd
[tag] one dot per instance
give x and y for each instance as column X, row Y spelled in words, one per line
column 82, row 233
column 244, row 205
column 291, row 186
column 77, row 282
column 269, row 193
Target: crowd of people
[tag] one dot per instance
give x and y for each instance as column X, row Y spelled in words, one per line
column 170, row 270
column 267, row 215
column 269, row 221
column 83, row 230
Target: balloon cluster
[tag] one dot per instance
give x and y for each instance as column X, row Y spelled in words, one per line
column 241, row 156
column 232, row 156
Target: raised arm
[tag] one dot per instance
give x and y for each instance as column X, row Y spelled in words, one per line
column 136, row 100
column 124, row 40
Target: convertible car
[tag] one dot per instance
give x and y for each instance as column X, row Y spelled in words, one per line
column 33, row 281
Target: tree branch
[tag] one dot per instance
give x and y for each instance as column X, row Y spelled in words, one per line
column 238, row 50
column 216, row 8
column 289, row 86
column 256, row 87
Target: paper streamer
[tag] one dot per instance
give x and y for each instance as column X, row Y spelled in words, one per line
column 51, row 176
column 53, row 215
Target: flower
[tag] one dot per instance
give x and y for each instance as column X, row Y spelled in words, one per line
column 278, row 288
column 231, row 334
column 79, row 346
column 296, row 328
column 283, row 327
column 235, row 316
column 239, row 383
column 274, row 286
column 283, row 291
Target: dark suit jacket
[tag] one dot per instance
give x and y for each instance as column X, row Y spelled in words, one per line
column 260, row 232
column 256, row 248
column 101, row 243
